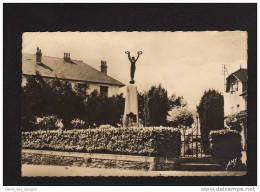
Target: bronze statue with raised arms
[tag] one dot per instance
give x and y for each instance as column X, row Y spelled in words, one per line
column 133, row 67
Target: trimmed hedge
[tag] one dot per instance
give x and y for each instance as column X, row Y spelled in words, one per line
column 225, row 143
column 136, row 141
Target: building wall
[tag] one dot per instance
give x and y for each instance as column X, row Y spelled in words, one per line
column 233, row 102
column 24, row 81
column 112, row 89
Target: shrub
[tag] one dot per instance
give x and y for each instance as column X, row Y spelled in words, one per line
column 78, row 124
column 136, row 141
column 233, row 123
column 48, row 123
column 104, row 110
column 225, row 143
column 180, row 116
column 27, row 123
column 236, row 121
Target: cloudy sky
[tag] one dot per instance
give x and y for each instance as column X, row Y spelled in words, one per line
column 185, row 63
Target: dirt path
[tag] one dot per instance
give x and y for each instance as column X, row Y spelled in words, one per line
column 48, row 170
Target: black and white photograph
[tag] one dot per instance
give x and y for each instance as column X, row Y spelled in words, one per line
column 134, row 103
column 143, row 94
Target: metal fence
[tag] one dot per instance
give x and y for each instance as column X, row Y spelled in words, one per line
column 191, row 146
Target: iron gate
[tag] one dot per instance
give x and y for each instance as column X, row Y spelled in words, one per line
column 191, row 146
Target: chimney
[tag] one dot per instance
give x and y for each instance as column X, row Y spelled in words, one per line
column 67, row 57
column 103, row 67
column 38, row 56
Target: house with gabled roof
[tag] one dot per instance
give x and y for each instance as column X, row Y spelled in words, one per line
column 75, row 71
column 236, row 92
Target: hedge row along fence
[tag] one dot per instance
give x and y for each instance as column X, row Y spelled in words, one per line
column 135, row 141
column 225, row 143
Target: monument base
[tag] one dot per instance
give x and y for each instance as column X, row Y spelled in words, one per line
column 131, row 107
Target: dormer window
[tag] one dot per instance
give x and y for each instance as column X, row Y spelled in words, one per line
column 234, row 87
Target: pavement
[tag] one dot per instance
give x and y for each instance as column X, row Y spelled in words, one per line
column 58, row 171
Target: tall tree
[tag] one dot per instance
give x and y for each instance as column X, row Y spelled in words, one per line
column 143, row 108
column 69, row 103
column 158, row 103
column 211, row 114
column 154, row 105
column 41, row 97
column 104, row 110
column 36, row 97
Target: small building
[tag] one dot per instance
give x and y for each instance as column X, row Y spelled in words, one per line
column 236, row 92
column 75, row 71
column 236, row 101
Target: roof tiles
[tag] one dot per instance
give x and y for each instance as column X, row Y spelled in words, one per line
column 57, row 67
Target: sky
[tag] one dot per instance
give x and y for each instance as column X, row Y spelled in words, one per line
column 185, row 63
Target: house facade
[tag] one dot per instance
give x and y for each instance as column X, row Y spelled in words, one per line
column 236, row 92
column 74, row 71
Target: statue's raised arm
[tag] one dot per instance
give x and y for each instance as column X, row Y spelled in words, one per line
column 138, row 54
column 128, row 53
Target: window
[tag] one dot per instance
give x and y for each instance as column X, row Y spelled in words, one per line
column 80, row 87
column 232, row 88
column 104, row 91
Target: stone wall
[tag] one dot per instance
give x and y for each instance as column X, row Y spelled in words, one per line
column 127, row 162
column 39, row 157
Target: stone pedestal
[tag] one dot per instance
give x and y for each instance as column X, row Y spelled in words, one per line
column 131, row 107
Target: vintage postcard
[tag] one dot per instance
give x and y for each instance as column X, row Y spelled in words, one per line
column 134, row 103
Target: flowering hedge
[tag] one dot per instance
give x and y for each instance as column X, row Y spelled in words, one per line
column 225, row 143
column 136, row 141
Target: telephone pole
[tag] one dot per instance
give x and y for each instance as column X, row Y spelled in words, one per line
column 225, row 74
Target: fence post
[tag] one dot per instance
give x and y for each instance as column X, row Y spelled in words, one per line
column 192, row 145
column 200, row 146
column 184, row 144
column 196, row 145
